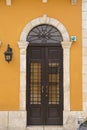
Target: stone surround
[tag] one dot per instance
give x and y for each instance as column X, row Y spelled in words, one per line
column 66, row 44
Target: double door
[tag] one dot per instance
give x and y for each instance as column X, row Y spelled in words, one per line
column 44, row 85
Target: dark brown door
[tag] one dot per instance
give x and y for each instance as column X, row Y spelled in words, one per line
column 44, row 85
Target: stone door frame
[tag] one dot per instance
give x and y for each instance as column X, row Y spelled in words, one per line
column 66, row 44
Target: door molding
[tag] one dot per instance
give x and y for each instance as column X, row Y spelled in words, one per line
column 66, row 44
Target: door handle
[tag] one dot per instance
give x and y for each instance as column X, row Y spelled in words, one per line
column 42, row 89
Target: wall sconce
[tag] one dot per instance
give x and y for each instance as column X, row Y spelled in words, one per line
column 8, row 54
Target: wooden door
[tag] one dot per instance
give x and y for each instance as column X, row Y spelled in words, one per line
column 44, row 85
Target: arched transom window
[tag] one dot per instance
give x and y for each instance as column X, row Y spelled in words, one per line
column 44, row 34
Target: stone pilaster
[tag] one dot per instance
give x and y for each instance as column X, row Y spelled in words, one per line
column 23, row 45
column 66, row 63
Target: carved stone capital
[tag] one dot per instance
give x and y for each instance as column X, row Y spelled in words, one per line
column 66, row 45
column 23, row 44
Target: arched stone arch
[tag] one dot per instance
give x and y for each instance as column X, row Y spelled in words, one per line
column 45, row 20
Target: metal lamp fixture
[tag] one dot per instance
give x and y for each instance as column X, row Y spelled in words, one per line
column 8, row 54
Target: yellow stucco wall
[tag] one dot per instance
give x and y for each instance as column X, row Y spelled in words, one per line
column 12, row 21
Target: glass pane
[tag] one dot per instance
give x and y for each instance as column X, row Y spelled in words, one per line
column 35, row 83
column 53, row 83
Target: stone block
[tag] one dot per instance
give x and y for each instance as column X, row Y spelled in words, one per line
column 84, row 69
column 84, row 24
column 85, row 105
column 35, row 128
column 71, row 119
column 53, row 128
column 22, row 100
column 84, row 33
column 84, row 86
column 3, row 119
column 23, row 51
column 35, row 22
column 84, row 0
column 84, row 16
column 17, row 119
column 23, row 63
column 65, row 36
column 84, row 61
column 84, row 80
column 84, row 96
column 84, row 51
column 23, row 36
column 84, row 42
column 27, row 28
column 54, row 22
column 22, row 81
column 84, row 6
column 45, row 128
column 3, row 128
column 17, row 128
column 67, row 101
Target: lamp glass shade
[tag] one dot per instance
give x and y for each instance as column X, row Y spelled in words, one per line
column 8, row 54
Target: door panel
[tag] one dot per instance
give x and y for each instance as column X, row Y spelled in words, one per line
column 55, row 100
column 44, row 85
column 34, row 83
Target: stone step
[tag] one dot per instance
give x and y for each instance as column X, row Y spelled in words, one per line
column 45, row 128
